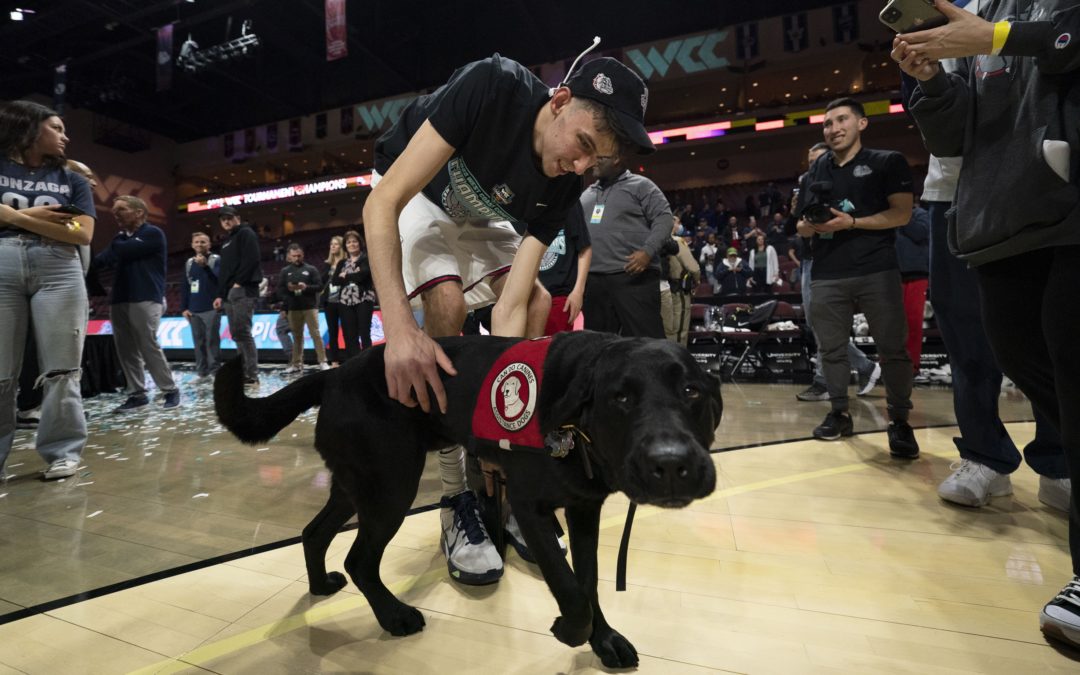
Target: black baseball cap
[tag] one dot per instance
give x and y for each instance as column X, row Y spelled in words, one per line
column 227, row 212
column 611, row 83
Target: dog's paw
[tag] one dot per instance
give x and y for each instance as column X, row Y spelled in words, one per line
column 334, row 582
column 404, row 620
column 614, row 650
column 569, row 633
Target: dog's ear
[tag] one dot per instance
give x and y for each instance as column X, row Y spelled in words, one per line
column 569, row 377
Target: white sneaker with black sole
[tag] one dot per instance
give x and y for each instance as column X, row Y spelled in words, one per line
column 1060, row 618
column 471, row 557
column 28, row 419
column 973, row 484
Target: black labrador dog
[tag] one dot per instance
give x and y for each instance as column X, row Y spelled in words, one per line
column 642, row 413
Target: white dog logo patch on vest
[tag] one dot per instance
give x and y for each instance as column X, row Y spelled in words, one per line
column 513, row 396
column 507, row 417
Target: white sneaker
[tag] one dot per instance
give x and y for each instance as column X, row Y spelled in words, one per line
column 517, row 540
column 973, row 484
column 1055, row 492
column 324, row 366
column 867, row 385
column 61, row 468
column 1060, row 618
column 470, row 555
column 292, row 369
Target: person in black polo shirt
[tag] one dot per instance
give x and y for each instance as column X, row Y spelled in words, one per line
column 867, row 194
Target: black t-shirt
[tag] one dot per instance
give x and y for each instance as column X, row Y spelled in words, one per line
column 559, row 266
column 486, row 112
column 863, row 185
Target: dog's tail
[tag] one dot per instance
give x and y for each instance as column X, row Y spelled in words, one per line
column 256, row 420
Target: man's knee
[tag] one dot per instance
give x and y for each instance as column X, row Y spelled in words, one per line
column 444, row 309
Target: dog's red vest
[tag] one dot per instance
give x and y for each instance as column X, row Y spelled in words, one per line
column 506, row 411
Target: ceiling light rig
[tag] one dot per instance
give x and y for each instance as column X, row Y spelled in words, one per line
column 18, row 14
column 193, row 59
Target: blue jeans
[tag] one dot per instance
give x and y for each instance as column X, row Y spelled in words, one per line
column 976, row 377
column 856, row 357
column 44, row 280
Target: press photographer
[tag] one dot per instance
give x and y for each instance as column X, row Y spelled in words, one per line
column 855, row 199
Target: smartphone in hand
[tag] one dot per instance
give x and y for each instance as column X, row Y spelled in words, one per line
column 908, row 16
column 70, row 209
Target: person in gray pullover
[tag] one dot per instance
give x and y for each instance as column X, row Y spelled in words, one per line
column 629, row 219
column 1011, row 110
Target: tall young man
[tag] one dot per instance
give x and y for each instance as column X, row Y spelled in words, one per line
column 473, row 182
column 238, row 287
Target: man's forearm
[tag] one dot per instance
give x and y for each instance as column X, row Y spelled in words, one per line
column 884, row 220
column 384, row 255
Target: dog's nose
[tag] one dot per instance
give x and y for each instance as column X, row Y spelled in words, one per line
column 670, row 469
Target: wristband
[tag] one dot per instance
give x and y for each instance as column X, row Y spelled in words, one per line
column 1001, row 34
column 852, row 222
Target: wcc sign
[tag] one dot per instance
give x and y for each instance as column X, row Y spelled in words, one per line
column 684, row 56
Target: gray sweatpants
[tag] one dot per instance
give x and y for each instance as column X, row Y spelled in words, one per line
column 135, row 326
column 880, row 297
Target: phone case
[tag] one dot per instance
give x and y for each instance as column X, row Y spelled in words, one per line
column 908, row 16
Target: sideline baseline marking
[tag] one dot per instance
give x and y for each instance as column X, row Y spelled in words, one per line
column 207, row 653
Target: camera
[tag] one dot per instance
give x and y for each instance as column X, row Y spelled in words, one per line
column 817, row 209
column 891, row 15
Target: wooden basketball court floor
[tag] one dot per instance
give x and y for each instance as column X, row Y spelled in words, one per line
column 175, row 549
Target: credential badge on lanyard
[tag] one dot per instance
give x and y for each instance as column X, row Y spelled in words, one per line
column 597, row 214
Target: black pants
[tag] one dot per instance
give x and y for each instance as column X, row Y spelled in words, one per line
column 1032, row 319
column 624, row 304
column 333, row 321
column 976, row 377
column 356, row 325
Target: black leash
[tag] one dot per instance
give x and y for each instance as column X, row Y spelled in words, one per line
column 620, row 568
column 560, row 448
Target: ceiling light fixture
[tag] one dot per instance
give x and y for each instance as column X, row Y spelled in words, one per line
column 17, row 14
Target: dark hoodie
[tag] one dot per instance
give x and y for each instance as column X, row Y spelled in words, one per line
column 997, row 111
column 240, row 262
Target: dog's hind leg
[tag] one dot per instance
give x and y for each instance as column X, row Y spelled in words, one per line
column 614, row 650
column 381, row 504
column 317, row 537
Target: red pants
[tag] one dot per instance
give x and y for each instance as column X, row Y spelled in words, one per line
column 558, row 320
column 914, row 305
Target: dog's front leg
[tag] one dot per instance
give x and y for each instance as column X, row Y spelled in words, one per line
column 583, row 520
column 575, row 624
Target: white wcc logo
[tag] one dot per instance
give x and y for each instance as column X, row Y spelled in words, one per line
column 513, row 396
column 602, row 84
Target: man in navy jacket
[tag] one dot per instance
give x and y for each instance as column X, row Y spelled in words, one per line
column 137, row 253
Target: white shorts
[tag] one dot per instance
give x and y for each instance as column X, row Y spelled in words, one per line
column 435, row 249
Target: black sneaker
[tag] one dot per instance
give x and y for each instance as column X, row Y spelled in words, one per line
column 172, row 399
column 1060, row 618
column 835, row 425
column 28, row 419
column 902, row 443
column 815, row 392
column 132, row 403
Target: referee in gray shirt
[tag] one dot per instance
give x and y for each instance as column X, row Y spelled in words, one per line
column 629, row 220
